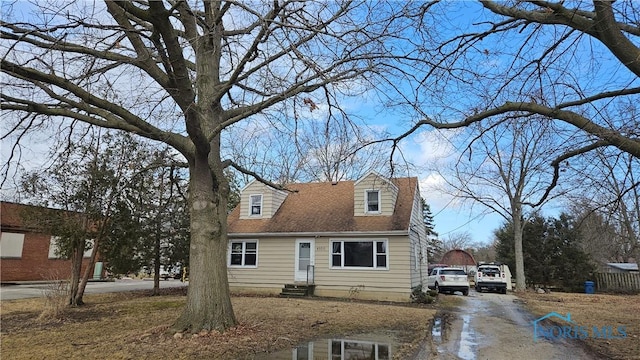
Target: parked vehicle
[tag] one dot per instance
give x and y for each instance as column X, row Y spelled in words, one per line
column 493, row 277
column 449, row 280
column 170, row 272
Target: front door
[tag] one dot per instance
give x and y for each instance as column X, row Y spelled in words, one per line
column 305, row 259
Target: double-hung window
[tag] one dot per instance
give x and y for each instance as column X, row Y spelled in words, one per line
column 243, row 253
column 359, row 254
column 256, row 205
column 372, row 198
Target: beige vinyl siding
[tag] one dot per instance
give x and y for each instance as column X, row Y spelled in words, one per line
column 276, row 198
column 271, row 200
column 274, row 266
column 392, row 283
column 388, row 195
column 418, row 238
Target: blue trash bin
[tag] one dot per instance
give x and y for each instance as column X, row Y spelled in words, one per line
column 589, row 287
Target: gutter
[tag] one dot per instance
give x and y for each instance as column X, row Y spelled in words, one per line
column 318, row 234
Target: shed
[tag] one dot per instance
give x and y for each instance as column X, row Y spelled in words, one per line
column 621, row 268
column 460, row 258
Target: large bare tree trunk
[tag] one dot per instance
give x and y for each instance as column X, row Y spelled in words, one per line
column 206, row 309
column 518, row 229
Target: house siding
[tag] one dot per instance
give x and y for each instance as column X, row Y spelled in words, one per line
column 276, row 268
column 391, row 284
column 388, row 195
column 271, row 200
column 418, row 240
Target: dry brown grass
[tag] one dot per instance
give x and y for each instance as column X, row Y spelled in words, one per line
column 596, row 310
column 134, row 326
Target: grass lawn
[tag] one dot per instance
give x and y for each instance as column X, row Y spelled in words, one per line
column 598, row 310
column 133, row 326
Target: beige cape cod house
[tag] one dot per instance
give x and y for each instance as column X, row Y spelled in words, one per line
column 363, row 238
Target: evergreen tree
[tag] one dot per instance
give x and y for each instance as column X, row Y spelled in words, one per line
column 435, row 247
column 551, row 250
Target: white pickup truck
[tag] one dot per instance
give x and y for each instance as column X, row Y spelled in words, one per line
column 446, row 279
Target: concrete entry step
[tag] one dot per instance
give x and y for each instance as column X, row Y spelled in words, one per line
column 297, row 290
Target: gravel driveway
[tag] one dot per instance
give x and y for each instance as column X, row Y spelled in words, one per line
column 494, row 326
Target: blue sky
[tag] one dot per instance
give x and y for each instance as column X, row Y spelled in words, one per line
column 424, row 149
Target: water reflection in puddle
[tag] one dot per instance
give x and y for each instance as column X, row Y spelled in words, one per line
column 436, row 330
column 356, row 347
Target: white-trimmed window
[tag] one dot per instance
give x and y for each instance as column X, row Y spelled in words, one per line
column 372, row 201
column 11, row 245
column 255, row 205
column 359, row 254
column 243, row 253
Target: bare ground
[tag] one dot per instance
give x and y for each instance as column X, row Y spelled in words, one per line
column 134, row 326
column 595, row 310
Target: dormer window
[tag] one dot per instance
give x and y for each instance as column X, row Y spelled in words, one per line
column 372, row 201
column 255, row 205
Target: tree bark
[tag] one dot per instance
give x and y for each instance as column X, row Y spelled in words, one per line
column 156, row 260
column 206, row 309
column 518, row 229
column 87, row 272
column 76, row 268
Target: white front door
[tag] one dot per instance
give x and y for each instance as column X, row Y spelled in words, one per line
column 305, row 256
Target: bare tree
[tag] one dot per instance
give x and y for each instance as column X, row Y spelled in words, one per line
column 574, row 62
column 182, row 73
column 342, row 151
column 457, row 240
column 609, row 206
column 505, row 169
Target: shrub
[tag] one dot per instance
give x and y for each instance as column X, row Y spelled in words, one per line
column 56, row 296
column 421, row 297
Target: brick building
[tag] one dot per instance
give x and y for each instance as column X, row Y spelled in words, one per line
column 29, row 254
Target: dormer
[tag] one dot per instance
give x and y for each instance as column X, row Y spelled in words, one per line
column 374, row 195
column 259, row 201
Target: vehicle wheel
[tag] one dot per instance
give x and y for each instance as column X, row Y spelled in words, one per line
column 437, row 288
column 504, row 291
column 477, row 288
column 465, row 292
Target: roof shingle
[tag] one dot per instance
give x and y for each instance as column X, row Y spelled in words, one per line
column 327, row 207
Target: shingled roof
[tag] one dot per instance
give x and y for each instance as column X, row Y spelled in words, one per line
column 327, row 207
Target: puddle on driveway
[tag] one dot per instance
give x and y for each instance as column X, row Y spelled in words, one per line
column 466, row 351
column 374, row 346
column 436, row 330
column 452, row 335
